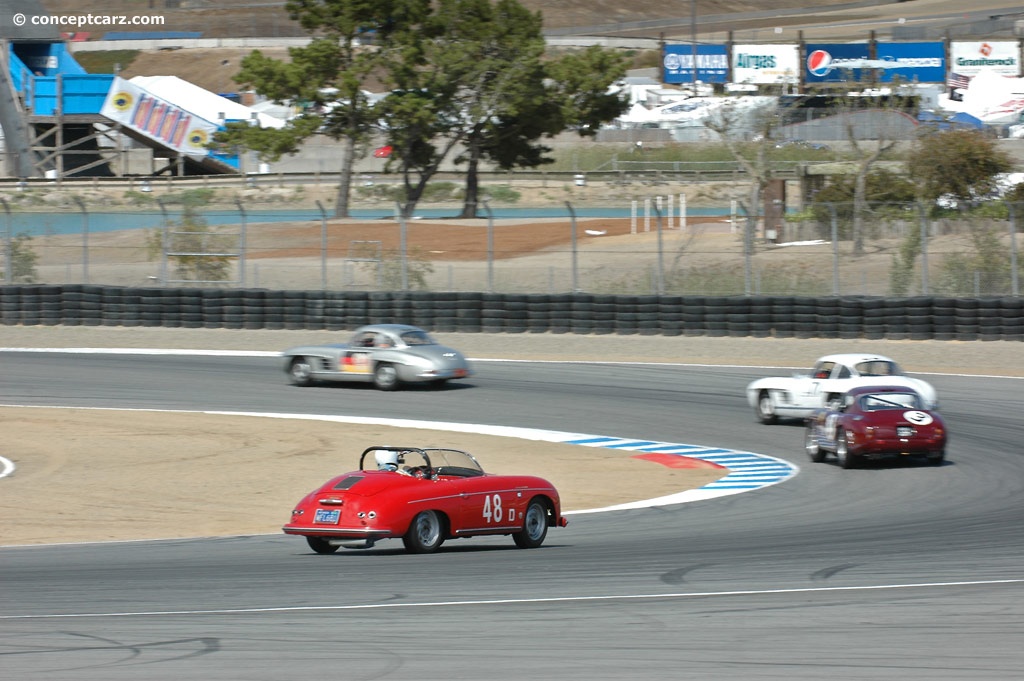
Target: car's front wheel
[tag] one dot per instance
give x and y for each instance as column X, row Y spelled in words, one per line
column 301, row 371
column 811, row 446
column 937, row 458
column 535, row 526
column 843, row 456
column 765, row 408
column 321, row 545
column 425, row 533
column 385, row 376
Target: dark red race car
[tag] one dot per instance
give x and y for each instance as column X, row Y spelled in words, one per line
column 876, row 422
column 424, row 496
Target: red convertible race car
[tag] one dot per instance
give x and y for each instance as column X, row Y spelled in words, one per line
column 876, row 422
column 424, row 496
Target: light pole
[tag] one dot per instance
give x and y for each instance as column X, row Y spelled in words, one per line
column 693, row 41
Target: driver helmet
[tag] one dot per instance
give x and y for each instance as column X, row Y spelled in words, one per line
column 386, row 460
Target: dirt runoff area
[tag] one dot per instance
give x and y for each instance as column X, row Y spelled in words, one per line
column 94, row 475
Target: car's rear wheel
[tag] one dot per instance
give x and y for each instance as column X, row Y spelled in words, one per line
column 301, row 372
column 320, row 545
column 425, row 534
column 843, row 456
column 535, row 526
column 385, row 376
column 765, row 408
column 811, row 446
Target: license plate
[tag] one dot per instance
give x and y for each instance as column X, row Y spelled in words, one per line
column 325, row 517
column 904, row 431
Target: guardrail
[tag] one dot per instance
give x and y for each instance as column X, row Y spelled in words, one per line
column 910, row 318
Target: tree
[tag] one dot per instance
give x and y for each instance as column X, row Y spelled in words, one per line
column 959, row 163
column 881, row 188
column 22, row 259
column 461, row 72
column 865, row 154
column 197, row 251
column 329, row 77
column 501, row 93
column 533, row 100
column 755, row 159
column 985, row 270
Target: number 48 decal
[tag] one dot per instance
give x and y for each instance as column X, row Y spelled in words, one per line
column 492, row 509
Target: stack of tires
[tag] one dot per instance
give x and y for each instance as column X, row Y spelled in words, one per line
column 782, row 310
column 851, row 317
column 919, row 314
column 876, row 317
column 581, row 313
column 516, row 313
column 604, row 312
column 990, row 319
column 10, row 305
column 805, row 317
column 693, row 316
column 467, row 312
column 944, row 318
column 670, row 315
column 538, row 313
column 626, row 315
column 253, row 304
column 560, row 308
column 965, row 319
column 492, row 313
column 826, row 318
column 716, row 316
column 1011, row 315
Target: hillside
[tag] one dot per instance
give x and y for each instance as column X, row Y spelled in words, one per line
column 245, row 18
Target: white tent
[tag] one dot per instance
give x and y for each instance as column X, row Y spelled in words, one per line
column 202, row 103
column 990, row 97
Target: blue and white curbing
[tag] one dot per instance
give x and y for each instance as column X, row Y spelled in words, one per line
column 747, row 471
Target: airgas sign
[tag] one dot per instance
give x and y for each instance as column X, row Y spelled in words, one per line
column 763, row 64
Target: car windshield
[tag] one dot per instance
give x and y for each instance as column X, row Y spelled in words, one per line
column 877, row 401
column 417, row 338
column 436, row 460
column 878, row 367
column 454, row 462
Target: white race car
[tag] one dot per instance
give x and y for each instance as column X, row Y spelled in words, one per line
column 798, row 395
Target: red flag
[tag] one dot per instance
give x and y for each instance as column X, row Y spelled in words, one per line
column 382, row 152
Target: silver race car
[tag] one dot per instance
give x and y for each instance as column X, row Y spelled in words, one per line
column 386, row 355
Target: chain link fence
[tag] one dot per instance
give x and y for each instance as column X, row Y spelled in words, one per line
column 653, row 245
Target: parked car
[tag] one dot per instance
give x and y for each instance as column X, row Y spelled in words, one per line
column 424, row 496
column 798, row 395
column 386, row 355
column 876, row 422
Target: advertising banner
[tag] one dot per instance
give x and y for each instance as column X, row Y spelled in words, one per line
column 912, row 62
column 712, row 64
column 834, row 62
column 762, row 64
column 969, row 58
column 172, row 126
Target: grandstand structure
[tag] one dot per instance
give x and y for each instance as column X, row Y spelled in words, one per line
column 60, row 121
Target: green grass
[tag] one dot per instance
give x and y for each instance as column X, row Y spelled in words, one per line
column 107, row 61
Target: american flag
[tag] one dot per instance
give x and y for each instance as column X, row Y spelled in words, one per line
column 957, row 80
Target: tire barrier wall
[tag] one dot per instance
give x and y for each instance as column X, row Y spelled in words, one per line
column 906, row 318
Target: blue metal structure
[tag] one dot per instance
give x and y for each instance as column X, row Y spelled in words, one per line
column 52, row 111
